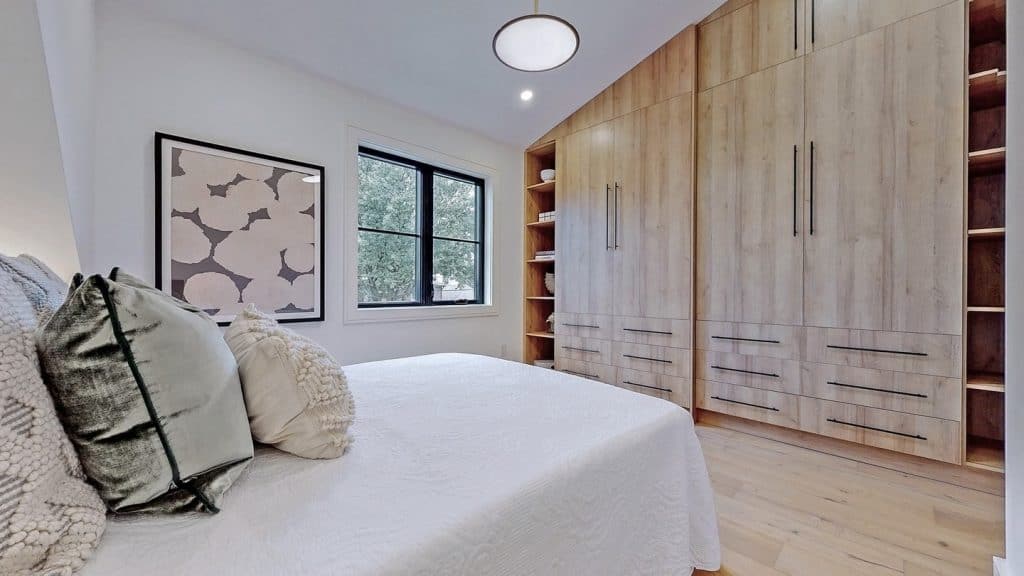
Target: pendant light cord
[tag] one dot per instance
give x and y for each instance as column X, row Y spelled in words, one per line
column 536, row 6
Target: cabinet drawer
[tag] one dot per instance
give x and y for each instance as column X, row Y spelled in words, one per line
column 920, row 394
column 585, row 325
column 908, row 433
column 750, row 371
column 587, row 349
column 588, row 370
column 771, row 340
column 655, row 359
column 761, row 405
column 935, row 354
column 653, row 331
column 677, row 390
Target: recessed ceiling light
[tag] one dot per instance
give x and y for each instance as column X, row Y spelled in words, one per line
column 526, row 95
column 314, row 179
column 536, row 42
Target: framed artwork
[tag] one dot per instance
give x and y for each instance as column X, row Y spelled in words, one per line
column 235, row 228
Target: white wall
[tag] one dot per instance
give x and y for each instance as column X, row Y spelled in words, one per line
column 34, row 215
column 153, row 76
column 68, row 31
column 1014, row 281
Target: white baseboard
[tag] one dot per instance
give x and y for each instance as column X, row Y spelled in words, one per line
column 1000, row 567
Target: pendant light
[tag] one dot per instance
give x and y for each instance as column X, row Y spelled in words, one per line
column 536, row 42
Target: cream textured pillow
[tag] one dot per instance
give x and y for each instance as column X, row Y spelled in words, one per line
column 295, row 392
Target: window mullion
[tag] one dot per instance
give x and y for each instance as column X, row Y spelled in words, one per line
column 427, row 242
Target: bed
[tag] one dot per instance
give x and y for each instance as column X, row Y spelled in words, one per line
column 462, row 464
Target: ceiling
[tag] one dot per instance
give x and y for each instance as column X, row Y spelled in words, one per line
column 435, row 56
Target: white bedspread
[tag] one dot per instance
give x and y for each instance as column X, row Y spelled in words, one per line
column 462, row 465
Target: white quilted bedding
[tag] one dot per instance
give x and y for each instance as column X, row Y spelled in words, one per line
column 462, row 465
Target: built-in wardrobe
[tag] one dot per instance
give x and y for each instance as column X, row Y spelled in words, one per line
column 823, row 205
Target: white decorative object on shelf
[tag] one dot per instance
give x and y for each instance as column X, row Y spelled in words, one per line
column 551, row 322
column 549, row 282
column 547, row 175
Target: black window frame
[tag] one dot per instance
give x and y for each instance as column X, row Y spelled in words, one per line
column 425, row 233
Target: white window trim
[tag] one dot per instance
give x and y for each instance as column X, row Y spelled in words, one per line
column 353, row 314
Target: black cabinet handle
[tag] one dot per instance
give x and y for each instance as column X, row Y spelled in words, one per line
column 607, row 207
column 745, row 403
column 795, row 44
column 795, row 232
column 879, row 350
column 616, row 216
column 583, row 374
column 646, row 358
column 647, row 331
column 769, row 374
column 812, row 167
column 737, row 338
column 588, row 351
column 812, row 21
column 628, row 383
column 914, row 436
column 579, row 325
column 913, row 394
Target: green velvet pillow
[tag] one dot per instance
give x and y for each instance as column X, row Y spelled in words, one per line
column 149, row 394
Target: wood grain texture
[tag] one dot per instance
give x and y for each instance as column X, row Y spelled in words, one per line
column 772, row 340
column 839, row 20
column 787, row 510
column 750, row 371
column 677, row 362
column 749, row 260
column 934, row 354
column 676, row 390
column 883, row 112
column 920, row 394
column 755, row 404
column 653, row 331
column 748, row 39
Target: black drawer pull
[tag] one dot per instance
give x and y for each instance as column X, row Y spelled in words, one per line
column 914, row 436
column 737, row 338
column 647, row 331
column 583, row 374
column 646, row 358
column 769, row 374
column 745, row 403
column 914, row 394
column 879, row 350
column 587, row 350
column 579, row 325
column 628, row 383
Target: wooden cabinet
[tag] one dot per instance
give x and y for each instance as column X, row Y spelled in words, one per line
column 832, row 21
column 884, row 207
column 753, row 37
column 749, row 233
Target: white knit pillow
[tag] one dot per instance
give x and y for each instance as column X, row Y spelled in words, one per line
column 295, row 392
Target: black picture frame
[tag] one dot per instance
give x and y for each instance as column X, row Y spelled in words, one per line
column 163, row 214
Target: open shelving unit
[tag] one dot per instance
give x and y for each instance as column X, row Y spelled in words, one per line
column 539, row 303
column 984, row 347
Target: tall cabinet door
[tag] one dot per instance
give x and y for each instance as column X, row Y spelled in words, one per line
column 573, row 234
column 749, row 230
column 885, row 186
column 655, row 211
column 832, row 21
column 599, row 281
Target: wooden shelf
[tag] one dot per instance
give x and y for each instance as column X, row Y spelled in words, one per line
column 987, row 159
column 986, row 381
column 987, row 309
column 986, row 233
column 541, row 298
column 546, row 335
column 545, row 149
column 547, row 224
column 541, row 261
column 987, row 88
column 985, row 454
column 987, row 20
column 542, row 187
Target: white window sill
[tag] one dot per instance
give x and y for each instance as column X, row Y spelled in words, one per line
column 413, row 313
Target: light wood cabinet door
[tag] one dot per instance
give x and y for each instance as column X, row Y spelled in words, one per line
column 584, row 275
column 832, row 21
column 654, row 167
column 753, row 37
column 884, row 207
column 749, row 234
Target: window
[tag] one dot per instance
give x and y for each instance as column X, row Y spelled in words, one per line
column 421, row 232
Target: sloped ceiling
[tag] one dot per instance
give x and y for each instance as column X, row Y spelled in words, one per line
column 435, row 56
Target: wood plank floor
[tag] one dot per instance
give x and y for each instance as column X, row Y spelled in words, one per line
column 786, row 510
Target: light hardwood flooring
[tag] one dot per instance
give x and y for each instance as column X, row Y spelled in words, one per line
column 786, row 510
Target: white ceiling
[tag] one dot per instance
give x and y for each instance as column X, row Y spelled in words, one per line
column 435, row 56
